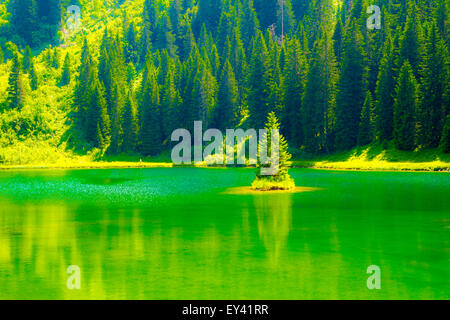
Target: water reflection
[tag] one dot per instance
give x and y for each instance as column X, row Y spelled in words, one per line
column 274, row 214
column 212, row 246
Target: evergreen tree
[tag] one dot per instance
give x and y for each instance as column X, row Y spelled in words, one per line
column 237, row 58
column 170, row 103
column 267, row 12
column 300, row 8
column 248, row 21
column 209, row 14
column 150, row 15
column 384, row 94
column 337, row 38
column 205, row 95
column 258, row 83
column 65, row 78
column 293, row 86
column 405, row 104
column 15, row 92
column 350, row 95
column 319, row 99
column 366, row 125
column 279, row 179
column 33, row 77
column 226, row 114
column 82, row 92
column 409, row 44
column 164, row 38
column 116, row 120
column 131, row 46
column 24, row 18
column 150, row 128
column 285, row 23
column 130, row 125
column 98, row 130
column 433, row 90
column 27, row 60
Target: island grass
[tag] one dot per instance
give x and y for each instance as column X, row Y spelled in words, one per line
column 272, row 184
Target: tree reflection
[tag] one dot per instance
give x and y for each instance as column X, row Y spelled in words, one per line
column 274, row 214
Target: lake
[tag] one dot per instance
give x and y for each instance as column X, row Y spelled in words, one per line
column 175, row 233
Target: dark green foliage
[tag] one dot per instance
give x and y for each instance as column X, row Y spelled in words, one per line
column 208, row 14
column 445, row 140
column 433, row 90
column 150, row 128
column 15, row 90
column 131, row 46
column 409, row 43
column 319, row 99
column 293, row 87
column 35, row 21
column 267, row 12
column 130, row 125
column 226, row 114
column 404, row 107
column 259, row 82
column 334, row 83
column 249, row 22
column 351, row 91
column 337, row 38
column 384, row 94
column 366, row 125
column 98, row 130
column 65, row 78
column 33, row 77
column 27, row 59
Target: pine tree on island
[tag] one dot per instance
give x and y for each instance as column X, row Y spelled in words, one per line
column 280, row 180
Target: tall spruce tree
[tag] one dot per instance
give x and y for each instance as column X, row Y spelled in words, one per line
column 319, row 98
column 33, row 77
column 130, row 125
column 366, row 125
column 384, row 94
column 226, row 114
column 150, row 128
column 15, row 91
column 350, row 97
column 293, row 87
column 65, row 78
column 433, row 90
column 259, row 82
column 404, row 107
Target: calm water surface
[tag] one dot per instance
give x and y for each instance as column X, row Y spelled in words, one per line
column 173, row 234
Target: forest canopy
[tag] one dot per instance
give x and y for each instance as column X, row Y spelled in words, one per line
column 133, row 71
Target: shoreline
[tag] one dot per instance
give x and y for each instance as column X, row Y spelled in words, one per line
column 299, row 164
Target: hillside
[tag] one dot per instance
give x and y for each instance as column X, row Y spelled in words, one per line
column 119, row 83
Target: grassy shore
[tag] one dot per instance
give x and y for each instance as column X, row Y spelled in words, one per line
column 375, row 158
column 372, row 158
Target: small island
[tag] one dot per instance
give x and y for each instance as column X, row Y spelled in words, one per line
column 281, row 180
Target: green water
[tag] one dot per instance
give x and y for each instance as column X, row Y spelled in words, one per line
column 173, row 234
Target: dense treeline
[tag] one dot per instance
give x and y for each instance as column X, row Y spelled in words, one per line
column 333, row 82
